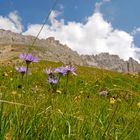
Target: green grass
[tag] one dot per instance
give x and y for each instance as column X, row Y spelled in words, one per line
column 29, row 110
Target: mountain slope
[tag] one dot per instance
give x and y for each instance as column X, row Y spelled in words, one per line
column 11, row 44
column 47, row 49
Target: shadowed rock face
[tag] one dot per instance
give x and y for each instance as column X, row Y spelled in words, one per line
column 11, row 44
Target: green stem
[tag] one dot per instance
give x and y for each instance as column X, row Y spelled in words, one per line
column 67, row 78
column 133, row 121
column 59, row 80
column 109, row 123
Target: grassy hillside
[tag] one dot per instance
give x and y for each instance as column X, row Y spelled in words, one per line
column 32, row 109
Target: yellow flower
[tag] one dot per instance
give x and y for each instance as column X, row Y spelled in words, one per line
column 81, row 92
column 11, row 79
column 14, row 92
column 112, row 100
column 5, row 74
column 58, row 91
column 138, row 104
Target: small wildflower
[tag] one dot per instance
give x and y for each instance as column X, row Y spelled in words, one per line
column 14, row 92
column 112, row 100
column 11, row 79
column 5, row 74
column 10, row 71
column 103, row 93
column 28, row 57
column 49, row 71
column 70, row 69
column 58, row 91
column 53, row 79
column 61, row 70
column 22, row 70
column 138, row 104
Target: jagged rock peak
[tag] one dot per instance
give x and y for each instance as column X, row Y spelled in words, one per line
column 112, row 62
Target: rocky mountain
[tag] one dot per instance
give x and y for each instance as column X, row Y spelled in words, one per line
column 112, row 62
column 11, row 44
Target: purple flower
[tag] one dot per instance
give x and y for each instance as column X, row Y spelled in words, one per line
column 60, row 70
column 70, row 69
column 21, row 69
column 28, row 57
column 49, row 71
column 53, row 80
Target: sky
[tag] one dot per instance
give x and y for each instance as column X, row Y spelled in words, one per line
column 86, row 26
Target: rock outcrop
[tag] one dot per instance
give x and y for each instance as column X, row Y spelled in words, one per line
column 11, row 44
column 47, row 49
column 112, row 62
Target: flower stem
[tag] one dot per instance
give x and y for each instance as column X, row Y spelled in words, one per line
column 67, row 78
column 109, row 123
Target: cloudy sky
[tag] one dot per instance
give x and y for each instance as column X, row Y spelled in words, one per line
column 86, row 26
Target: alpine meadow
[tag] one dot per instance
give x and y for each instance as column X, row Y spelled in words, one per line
column 69, row 70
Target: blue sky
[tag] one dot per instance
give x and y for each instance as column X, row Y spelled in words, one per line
column 116, row 20
column 123, row 14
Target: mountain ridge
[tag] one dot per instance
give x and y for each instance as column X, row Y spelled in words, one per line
column 11, row 44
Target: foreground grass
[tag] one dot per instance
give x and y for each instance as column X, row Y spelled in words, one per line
column 30, row 110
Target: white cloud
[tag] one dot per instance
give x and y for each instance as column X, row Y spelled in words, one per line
column 55, row 23
column 11, row 22
column 93, row 37
column 136, row 31
column 99, row 4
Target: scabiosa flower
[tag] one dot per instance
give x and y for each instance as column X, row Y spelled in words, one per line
column 28, row 58
column 22, row 70
column 70, row 69
column 53, row 79
column 60, row 70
